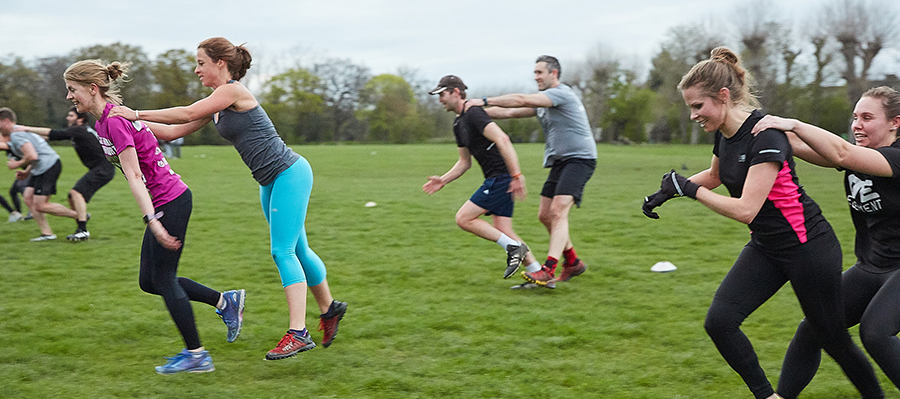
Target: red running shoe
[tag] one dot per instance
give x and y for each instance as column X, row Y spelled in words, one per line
column 540, row 277
column 328, row 322
column 290, row 345
column 572, row 271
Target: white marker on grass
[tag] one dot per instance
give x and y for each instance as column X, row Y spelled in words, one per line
column 663, row 267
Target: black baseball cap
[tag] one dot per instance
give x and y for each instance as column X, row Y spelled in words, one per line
column 448, row 82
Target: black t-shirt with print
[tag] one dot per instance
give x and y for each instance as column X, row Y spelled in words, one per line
column 875, row 210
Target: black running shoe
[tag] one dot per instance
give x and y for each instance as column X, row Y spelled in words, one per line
column 515, row 254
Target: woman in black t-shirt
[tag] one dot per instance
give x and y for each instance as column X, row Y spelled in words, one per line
column 790, row 239
column 871, row 287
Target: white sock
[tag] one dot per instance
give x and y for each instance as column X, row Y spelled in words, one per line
column 533, row 267
column 222, row 302
column 505, row 240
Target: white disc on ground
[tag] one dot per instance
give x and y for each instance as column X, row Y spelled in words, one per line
column 370, row 204
column 663, row 267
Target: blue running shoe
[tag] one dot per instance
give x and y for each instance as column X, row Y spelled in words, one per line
column 187, row 362
column 233, row 314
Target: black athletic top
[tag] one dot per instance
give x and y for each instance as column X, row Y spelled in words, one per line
column 468, row 128
column 86, row 144
column 875, row 209
column 788, row 217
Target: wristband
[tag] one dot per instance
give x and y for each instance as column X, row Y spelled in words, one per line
column 485, row 101
column 516, row 176
column 137, row 115
column 148, row 218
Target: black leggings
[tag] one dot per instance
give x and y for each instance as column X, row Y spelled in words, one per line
column 17, row 188
column 814, row 270
column 871, row 300
column 5, row 205
column 159, row 266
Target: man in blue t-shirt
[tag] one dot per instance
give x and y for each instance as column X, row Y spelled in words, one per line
column 479, row 137
column 571, row 155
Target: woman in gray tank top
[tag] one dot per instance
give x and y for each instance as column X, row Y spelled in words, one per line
column 285, row 180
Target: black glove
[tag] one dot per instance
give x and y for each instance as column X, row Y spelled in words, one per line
column 672, row 185
column 652, row 201
column 678, row 186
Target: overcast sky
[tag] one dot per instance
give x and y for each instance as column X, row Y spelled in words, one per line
column 490, row 44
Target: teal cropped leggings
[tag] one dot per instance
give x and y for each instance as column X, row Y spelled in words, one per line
column 284, row 202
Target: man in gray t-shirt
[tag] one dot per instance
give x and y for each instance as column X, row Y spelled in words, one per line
column 571, row 155
column 40, row 162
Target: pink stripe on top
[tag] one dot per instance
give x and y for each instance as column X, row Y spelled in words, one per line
column 785, row 195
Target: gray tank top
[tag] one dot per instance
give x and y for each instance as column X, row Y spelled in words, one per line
column 254, row 137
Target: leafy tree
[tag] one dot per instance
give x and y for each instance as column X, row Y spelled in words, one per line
column 176, row 82
column 139, row 82
column 294, row 102
column 17, row 90
column 435, row 121
column 629, row 110
column 51, row 91
column 389, row 105
column 178, row 85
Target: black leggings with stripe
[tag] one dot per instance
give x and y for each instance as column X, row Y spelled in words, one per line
column 814, row 270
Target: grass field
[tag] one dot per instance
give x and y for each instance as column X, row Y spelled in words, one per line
column 429, row 316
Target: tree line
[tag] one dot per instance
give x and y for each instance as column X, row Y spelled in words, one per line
column 813, row 70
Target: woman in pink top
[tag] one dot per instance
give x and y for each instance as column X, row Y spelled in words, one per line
column 166, row 204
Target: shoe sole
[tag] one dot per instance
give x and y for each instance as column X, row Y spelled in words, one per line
column 291, row 354
column 525, row 286
column 535, row 281
column 211, row 368
column 530, row 286
column 340, row 317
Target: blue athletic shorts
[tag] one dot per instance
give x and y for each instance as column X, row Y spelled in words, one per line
column 493, row 196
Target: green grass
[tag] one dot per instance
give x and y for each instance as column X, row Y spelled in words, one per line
column 429, row 314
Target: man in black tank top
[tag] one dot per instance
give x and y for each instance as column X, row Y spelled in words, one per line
column 479, row 137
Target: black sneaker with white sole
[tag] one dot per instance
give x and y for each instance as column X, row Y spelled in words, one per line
column 79, row 235
column 515, row 254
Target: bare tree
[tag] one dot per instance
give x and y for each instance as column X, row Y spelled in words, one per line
column 684, row 46
column 592, row 79
column 343, row 80
column 766, row 40
column 863, row 28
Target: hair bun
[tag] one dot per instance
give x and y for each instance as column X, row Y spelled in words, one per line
column 115, row 70
column 245, row 60
column 723, row 54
